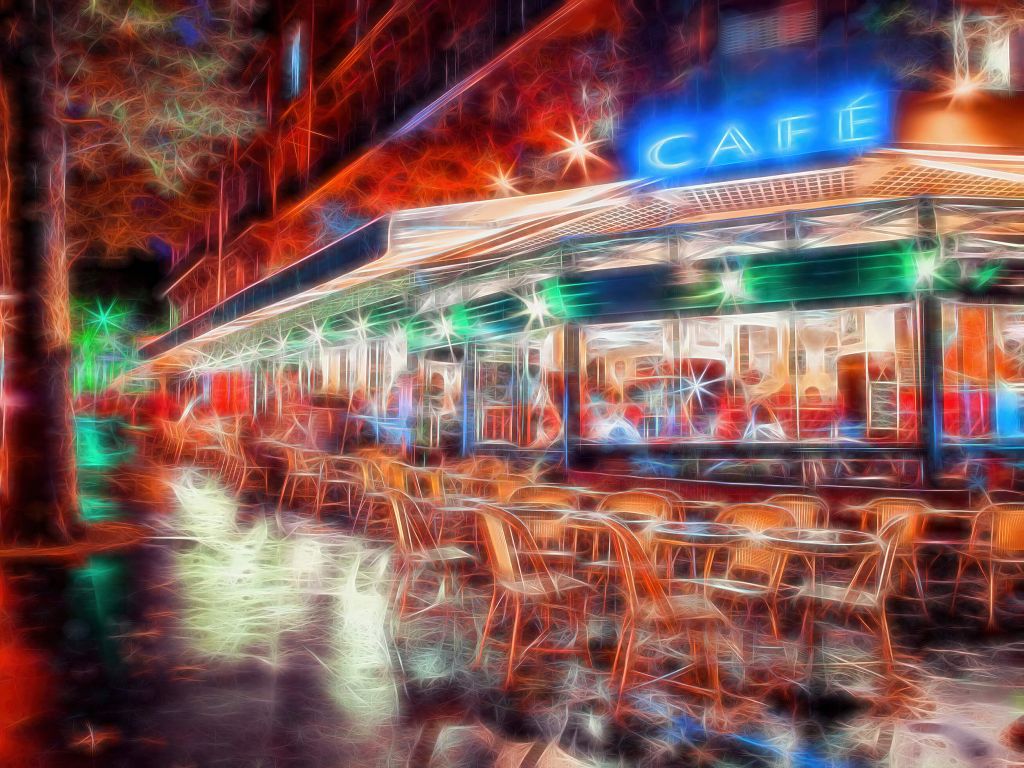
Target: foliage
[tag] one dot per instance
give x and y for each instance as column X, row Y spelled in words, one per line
column 104, row 342
column 152, row 97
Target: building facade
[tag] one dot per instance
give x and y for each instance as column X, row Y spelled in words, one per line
column 783, row 281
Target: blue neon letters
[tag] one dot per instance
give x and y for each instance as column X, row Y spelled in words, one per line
column 676, row 144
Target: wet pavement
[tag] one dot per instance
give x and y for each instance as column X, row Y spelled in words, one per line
column 239, row 635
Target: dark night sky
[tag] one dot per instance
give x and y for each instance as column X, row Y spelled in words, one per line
column 137, row 278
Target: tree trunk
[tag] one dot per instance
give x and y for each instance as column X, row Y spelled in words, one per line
column 40, row 443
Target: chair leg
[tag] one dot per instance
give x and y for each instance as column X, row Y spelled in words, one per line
column 886, row 638
column 919, row 584
column 514, row 642
column 992, row 595
column 485, row 632
column 627, row 667
column 709, row 653
column 773, row 617
column 960, row 568
column 807, row 633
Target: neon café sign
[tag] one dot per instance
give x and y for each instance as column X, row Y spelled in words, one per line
column 780, row 133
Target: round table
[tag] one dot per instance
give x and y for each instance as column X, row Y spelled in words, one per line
column 696, row 536
column 813, row 544
column 821, row 541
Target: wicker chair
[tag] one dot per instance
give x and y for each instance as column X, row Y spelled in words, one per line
column 997, row 543
column 370, row 488
column 527, row 588
column 657, row 625
column 425, row 483
column 546, row 495
column 863, row 592
column 808, row 511
column 876, row 516
column 548, row 530
column 489, row 467
column 753, row 569
column 342, row 485
column 638, row 503
column 302, row 478
column 241, row 469
column 502, row 488
column 754, row 557
column 395, row 475
column 418, row 548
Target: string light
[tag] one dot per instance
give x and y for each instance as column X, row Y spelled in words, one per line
column 579, row 150
column 504, row 183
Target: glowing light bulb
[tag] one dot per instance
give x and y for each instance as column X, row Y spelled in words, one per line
column 360, row 327
column 536, row 308
column 578, row 149
column 732, row 285
column 504, row 183
column 964, row 88
column 927, row 269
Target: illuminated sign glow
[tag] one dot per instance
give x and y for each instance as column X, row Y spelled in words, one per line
column 677, row 143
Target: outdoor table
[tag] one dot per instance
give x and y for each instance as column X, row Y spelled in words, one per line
column 828, row 542
column 696, row 536
column 814, row 544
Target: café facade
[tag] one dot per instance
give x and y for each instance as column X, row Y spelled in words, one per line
column 821, row 291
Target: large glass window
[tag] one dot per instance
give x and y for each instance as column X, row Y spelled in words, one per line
column 757, row 396
column 519, row 389
column 857, row 374
column 376, row 382
column 441, row 425
column 630, row 391
column 983, row 371
column 496, row 391
column 821, row 376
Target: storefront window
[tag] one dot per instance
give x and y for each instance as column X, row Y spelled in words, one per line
column 229, row 392
column 496, row 391
column 966, row 371
column 857, row 375
column 630, row 391
column 1009, row 371
column 520, row 389
column 544, row 387
column 442, row 402
column 983, row 371
column 757, row 400
column 823, row 376
column 375, row 383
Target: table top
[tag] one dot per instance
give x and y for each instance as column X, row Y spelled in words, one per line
column 590, row 520
column 832, row 540
column 538, row 510
column 698, row 532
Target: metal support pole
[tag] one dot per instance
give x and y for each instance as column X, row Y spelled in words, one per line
column 571, row 395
